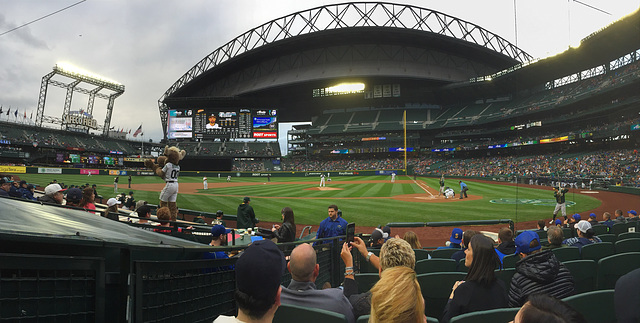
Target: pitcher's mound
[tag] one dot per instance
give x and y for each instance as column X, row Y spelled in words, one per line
column 323, row 189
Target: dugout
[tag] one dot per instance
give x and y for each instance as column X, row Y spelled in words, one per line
column 59, row 264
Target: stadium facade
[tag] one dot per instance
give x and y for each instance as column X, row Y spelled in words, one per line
column 466, row 91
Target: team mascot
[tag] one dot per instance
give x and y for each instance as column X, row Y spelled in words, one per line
column 168, row 169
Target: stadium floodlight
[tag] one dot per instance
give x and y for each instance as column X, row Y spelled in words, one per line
column 74, row 70
column 344, row 88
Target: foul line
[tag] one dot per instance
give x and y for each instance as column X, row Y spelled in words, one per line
column 423, row 186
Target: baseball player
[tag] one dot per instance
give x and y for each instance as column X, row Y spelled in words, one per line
column 449, row 193
column 322, row 180
column 204, row 183
column 441, row 186
column 228, row 178
column 393, row 177
column 115, row 184
column 559, row 193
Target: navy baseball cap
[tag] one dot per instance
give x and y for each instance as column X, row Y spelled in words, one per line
column 259, row 270
column 456, row 235
column 246, row 199
column 74, row 195
column 218, row 230
column 524, row 239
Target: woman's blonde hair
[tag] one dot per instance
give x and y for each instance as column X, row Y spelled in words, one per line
column 397, row 297
column 412, row 239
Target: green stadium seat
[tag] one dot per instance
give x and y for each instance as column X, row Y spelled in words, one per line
column 435, row 265
column 567, row 232
column 609, row 237
column 443, row 253
column 542, row 234
column 292, row 313
column 363, row 319
column 500, row 315
column 436, row 288
column 567, row 253
column 505, row 276
column 596, row 306
column 462, row 267
column 584, row 272
column 612, row 267
column 597, row 251
column 599, row 229
column 619, row 228
column 628, row 235
column 366, row 280
column 627, row 245
column 509, row 261
column 421, row 254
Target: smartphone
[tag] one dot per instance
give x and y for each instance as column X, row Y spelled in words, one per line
column 351, row 232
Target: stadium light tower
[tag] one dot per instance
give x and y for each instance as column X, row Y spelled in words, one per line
column 83, row 119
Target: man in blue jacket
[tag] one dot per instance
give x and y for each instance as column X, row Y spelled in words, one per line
column 333, row 225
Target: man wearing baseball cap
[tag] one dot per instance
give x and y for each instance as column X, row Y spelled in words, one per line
column 259, row 272
column 5, row 186
column 537, row 272
column 586, row 236
column 454, row 240
column 218, row 239
column 633, row 215
column 246, row 216
column 52, row 194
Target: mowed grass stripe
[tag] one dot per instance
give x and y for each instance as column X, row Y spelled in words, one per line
column 363, row 211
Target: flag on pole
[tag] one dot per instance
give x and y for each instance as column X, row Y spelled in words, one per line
column 138, row 131
column 15, row 114
column 25, row 115
column 8, row 111
column 31, row 115
column 0, row 109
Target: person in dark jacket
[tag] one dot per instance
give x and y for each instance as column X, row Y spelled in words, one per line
column 246, row 216
column 5, row 186
column 14, row 190
column 52, row 194
column 287, row 231
column 538, row 272
column 480, row 290
column 506, row 245
column 28, row 193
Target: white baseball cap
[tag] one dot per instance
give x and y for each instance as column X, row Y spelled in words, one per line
column 583, row 226
column 52, row 188
column 112, row 201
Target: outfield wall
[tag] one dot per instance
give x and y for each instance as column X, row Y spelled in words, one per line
column 115, row 172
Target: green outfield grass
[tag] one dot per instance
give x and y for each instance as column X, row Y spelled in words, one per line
column 355, row 200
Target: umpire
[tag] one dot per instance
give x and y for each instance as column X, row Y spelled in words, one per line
column 463, row 190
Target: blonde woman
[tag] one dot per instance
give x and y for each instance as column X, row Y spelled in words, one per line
column 397, row 297
column 412, row 239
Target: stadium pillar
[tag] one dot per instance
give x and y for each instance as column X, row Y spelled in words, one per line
column 67, row 102
column 107, row 119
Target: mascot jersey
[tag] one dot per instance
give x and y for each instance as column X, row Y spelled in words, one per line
column 171, row 172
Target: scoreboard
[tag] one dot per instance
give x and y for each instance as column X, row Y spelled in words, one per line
column 205, row 123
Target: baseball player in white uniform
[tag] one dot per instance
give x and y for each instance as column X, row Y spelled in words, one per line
column 449, row 193
column 322, row 180
column 204, row 183
column 229, row 178
column 393, row 177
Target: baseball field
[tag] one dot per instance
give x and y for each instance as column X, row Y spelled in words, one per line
column 366, row 200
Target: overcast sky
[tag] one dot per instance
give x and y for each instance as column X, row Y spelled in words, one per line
column 147, row 45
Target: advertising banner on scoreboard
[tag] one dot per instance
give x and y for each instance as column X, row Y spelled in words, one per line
column 118, row 172
column 13, row 169
column 86, row 171
column 43, row 170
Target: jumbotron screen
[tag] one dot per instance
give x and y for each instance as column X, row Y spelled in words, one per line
column 232, row 123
